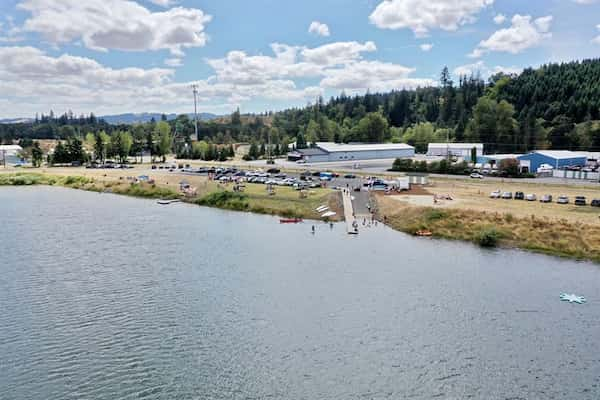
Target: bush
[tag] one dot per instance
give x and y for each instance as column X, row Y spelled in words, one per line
column 434, row 215
column 488, row 237
column 228, row 200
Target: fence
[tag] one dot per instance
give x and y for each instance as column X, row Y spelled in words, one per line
column 565, row 174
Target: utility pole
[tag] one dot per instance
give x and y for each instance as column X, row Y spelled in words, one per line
column 195, row 89
column 269, row 159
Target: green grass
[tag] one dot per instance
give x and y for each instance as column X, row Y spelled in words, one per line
column 144, row 190
column 26, row 178
column 285, row 202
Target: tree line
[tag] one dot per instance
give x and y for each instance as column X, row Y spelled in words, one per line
column 555, row 106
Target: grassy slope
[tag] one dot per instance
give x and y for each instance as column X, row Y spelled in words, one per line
column 556, row 237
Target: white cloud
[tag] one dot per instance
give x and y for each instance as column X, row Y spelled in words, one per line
column 34, row 81
column 521, row 35
column 596, row 40
column 374, row 75
column 481, row 69
column 585, row 1
column 426, row 46
column 507, row 70
column 421, row 16
column 174, row 62
column 115, row 24
column 499, row 19
column 337, row 53
column 318, row 28
column 163, row 3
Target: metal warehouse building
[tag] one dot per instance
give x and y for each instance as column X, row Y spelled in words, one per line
column 556, row 158
column 9, row 153
column 454, row 149
column 329, row 152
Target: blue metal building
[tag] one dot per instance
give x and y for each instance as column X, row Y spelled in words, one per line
column 556, row 158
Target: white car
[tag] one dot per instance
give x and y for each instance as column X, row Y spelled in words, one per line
column 476, row 175
column 496, row 194
column 531, row 197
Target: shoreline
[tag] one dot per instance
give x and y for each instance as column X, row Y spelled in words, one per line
column 283, row 204
column 560, row 238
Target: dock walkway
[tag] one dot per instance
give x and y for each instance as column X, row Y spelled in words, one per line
column 349, row 213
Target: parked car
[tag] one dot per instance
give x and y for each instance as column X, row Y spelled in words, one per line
column 519, row 196
column 476, row 175
column 562, row 200
column 350, row 176
column 507, row 195
column 595, row 203
column 547, row 198
column 580, row 201
column 531, row 197
column 273, row 171
column 495, row 194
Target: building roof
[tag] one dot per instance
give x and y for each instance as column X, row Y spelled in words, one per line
column 560, row 154
column 311, row 151
column 501, row 156
column 10, row 147
column 455, row 145
column 331, row 147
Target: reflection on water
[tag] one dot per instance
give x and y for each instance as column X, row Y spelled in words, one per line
column 107, row 297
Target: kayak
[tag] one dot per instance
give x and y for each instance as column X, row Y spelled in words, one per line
column 290, row 220
column 423, row 233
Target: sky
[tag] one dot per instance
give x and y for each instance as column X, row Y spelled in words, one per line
column 119, row 56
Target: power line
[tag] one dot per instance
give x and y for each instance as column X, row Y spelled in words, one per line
column 195, row 90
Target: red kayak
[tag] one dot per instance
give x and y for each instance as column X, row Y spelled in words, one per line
column 290, row 220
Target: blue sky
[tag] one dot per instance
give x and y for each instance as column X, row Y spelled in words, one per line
column 114, row 56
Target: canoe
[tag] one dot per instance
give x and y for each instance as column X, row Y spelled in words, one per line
column 290, row 220
column 423, row 233
column 166, row 202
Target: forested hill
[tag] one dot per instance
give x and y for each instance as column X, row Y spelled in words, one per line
column 554, row 106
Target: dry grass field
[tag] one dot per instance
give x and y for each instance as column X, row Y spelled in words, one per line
column 564, row 230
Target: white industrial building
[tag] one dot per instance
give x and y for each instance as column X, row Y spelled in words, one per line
column 454, row 149
column 9, row 153
column 330, row 152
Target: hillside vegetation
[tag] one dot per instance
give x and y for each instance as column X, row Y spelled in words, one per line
column 555, row 106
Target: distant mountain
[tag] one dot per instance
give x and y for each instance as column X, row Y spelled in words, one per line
column 131, row 118
column 15, row 120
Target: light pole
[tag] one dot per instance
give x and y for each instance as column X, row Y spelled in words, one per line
column 195, row 89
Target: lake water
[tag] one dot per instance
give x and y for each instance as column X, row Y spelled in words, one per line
column 108, row 297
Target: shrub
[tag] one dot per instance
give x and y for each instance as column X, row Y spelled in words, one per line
column 488, row 237
column 434, row 215
column 225, row 199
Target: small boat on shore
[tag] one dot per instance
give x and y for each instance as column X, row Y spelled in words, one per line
column 169, row 201
column 290, row 220
column 423, row 232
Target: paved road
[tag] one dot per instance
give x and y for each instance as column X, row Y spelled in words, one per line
column 380, row 167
